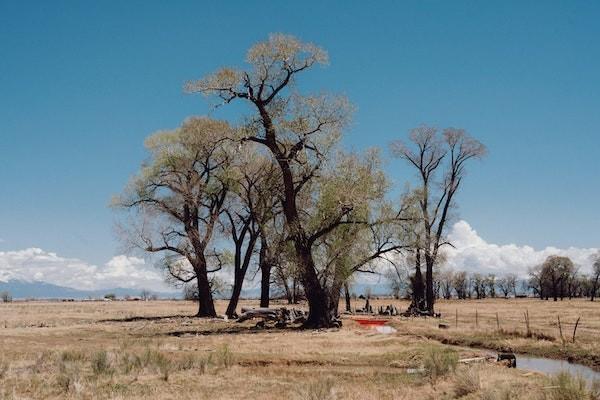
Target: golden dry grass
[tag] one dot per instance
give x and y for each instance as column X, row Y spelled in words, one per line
column 478, row 327
column 153, row 350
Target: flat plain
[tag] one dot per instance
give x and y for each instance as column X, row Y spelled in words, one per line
column 156, row 350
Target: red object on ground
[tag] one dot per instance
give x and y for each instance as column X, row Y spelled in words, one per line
column 371, row 322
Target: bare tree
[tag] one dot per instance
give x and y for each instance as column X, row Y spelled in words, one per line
column 248, row 210
column 433, row 156
column 460, row 282
column 595, row 278
column 177, row 199
column 446, row 279
column 491, row 282
column 507, row 284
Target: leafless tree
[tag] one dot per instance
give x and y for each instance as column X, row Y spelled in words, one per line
column 460, row 282
column 441, row 165
column 507, row 284
column 595, row 278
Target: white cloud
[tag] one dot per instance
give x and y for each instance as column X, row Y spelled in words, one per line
column 472, row 253
column 34, row 264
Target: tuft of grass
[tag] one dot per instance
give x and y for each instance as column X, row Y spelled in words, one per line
column 163, row 365
column 322, row 389
column 568, row 387
column 467, row 381
column 438, row 362
column 67, row 379
column 130, row 363
column 224, row 357
column 72, row 356
column 101, row 365
column 4, row 367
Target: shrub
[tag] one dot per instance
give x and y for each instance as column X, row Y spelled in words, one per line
column 595, row 390
column 321, row 389
column 568, row 387
column 437, row 362
column 67, row 377
column 164, row 366
column 71, row 356
column 466, row 382
column 224, row 356
column 101, row 364
column 130, row 363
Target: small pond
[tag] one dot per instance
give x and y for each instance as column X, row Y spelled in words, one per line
column 552, row 367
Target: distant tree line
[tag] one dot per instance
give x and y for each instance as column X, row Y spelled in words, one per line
column 556, row 278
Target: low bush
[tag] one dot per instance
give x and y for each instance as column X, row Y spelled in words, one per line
column 438, row 362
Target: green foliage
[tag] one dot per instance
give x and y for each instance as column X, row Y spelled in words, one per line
column 439, row 361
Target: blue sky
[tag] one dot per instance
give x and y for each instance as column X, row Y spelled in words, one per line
column 83, row 82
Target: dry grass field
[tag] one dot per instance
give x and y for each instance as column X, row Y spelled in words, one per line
column 500, row 324
column 153, row 350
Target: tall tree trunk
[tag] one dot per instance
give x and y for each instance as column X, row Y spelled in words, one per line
column 429, row 292
column 206, row 305
column 265, row 274
column 235, row 295
column 594, row 289
column 347, row 295
column 322, row 303
column 418, row 287
column 240, row 268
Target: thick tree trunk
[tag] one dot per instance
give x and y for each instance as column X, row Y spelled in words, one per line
column 235, row 295
column 429, row 292
column 347, row 296
column 418, row 287
column 265, row 275
column 322, row 303
column 206, row 306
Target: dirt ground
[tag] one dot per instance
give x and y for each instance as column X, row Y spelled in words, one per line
column 155, row 350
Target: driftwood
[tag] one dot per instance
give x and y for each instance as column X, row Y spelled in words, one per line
column 282, row 316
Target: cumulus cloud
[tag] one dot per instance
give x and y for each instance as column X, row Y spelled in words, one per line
column 34, row 264
column 473, row 254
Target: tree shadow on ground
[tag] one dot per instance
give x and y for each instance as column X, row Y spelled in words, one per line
column 230, row 330
column 147, row 318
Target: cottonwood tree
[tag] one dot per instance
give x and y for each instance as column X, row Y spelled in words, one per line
column 446, row 279
column 177, row 198
column 440, row 160
column 460, row 283
column 246, row 215
column 595, row 277
column 299, row 132
column 507, row 284
column 550, row 279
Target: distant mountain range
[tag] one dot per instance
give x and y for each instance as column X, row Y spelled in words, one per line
column 41, row 290
column 20, row 289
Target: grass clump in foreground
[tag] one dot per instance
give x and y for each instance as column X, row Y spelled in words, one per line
column 322, row 389
column 565, row 386
column 439, row 361
column 466, row 381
